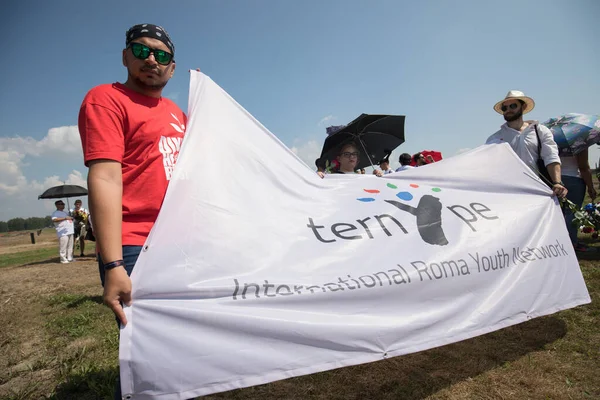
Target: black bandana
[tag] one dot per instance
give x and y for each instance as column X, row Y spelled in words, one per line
column 151, row 31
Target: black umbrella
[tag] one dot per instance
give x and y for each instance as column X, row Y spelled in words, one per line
column 376, row 136
column 58, row 192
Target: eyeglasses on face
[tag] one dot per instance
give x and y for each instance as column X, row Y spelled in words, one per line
column 142, row 52
column 512, row 106
column 347, row 154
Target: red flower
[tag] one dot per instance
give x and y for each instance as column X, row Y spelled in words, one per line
column 588, row 229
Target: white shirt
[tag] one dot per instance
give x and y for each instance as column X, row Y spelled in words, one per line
column 569, row 166
column 404, row 168
column 388, row 171
column 525, row 143
column 63, row 228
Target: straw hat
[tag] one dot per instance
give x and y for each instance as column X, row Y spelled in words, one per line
column 516, row 95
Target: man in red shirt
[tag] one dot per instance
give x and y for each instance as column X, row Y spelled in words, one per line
column 131, row 137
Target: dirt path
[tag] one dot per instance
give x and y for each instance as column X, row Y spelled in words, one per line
column 27, row 281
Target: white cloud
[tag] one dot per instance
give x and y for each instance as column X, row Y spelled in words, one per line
column 307, row 151
column 63, row 140
column 326, row 120
column 18, row 194
column 21, row 199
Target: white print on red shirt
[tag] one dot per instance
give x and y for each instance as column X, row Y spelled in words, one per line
column 179, row 127
column 169, row 148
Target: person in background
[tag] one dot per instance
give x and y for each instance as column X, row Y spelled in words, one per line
column 577, row 178
column 80, row 216
column 385, row 167
column 404, row 160
column 348, row 158
column 522, row 136
column 63, row 223
column 420, row 159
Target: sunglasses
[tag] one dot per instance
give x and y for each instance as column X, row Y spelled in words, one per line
column 347, row 154
column 513, row 106
column 142, row 52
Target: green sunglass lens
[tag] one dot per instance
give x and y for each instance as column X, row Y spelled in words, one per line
column 140, row 51
column 162, row 57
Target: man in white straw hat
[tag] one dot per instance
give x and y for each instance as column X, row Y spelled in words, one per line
column 523, row 138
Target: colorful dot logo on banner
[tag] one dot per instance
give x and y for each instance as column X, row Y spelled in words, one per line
column 403, row 195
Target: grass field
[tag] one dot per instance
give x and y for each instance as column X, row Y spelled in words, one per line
column 58, row 341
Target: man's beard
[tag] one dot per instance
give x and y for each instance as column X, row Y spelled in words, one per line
column 143, row 85
column 513, row 117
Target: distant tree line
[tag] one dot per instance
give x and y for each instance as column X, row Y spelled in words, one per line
column 25, row 224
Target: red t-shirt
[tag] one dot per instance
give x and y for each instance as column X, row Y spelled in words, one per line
column 144, row 134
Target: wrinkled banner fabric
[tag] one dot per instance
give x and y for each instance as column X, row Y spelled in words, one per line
column 258, row 270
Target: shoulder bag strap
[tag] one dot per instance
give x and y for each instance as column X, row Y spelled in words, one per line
column 539, row 142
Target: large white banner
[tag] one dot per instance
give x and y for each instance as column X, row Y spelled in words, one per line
column 258, row 270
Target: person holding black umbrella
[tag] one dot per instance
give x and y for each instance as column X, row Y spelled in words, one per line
column 63, row 223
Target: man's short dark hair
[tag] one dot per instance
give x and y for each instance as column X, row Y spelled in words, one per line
column 78, row 201
column 405, row 159
column 57, row 202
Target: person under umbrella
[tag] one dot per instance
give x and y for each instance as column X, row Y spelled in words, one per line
column 577, row 177
column 375, row 137
column 574, row 134
column 80, row 216
column 63, row 223
column 348, row 158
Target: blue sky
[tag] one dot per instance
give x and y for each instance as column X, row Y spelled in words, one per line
column 297, row 67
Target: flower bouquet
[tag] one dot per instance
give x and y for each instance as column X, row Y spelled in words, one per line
column 592, row 212
column 587, row 219
column 332, row 166
column 80, row 216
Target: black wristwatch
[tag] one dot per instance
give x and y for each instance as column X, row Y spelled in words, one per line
column 558, row 183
